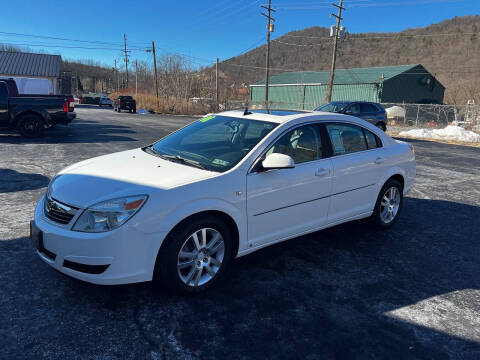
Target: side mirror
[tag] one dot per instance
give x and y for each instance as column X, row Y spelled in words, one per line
column 278, row 161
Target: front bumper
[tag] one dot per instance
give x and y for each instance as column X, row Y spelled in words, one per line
column 124, row 255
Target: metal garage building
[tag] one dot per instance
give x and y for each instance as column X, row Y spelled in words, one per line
column 387, row 84
column 20, row 66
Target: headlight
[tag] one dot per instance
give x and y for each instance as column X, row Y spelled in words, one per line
column 109, row 215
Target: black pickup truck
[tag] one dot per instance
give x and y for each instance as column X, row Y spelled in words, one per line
column 31, row 114
column 124, row 102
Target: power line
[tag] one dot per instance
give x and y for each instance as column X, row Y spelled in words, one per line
column 61, row 38
column 393, row 37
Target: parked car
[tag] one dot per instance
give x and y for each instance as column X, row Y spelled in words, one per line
column 370, row 111
column 31, row 114
column 222, row 187
column 105, row 101
column 125, row 103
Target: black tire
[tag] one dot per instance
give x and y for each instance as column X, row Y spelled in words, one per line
column 382, row 126
column 376, row 218
column 134, row 111
column 166, row 270
column 31, row 125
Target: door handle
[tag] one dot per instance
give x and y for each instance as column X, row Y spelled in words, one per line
column 379, row 160
column 322, row 172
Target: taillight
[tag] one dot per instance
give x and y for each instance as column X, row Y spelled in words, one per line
column 65, row 106
column 412, row 149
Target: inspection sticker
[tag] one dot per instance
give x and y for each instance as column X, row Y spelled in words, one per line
column 220, row 162
column 205, row 119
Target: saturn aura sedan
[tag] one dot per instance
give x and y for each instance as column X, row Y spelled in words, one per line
column 180, row 209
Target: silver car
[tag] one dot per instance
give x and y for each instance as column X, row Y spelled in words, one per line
column 105, row 101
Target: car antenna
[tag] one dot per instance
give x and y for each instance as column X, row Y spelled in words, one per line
column 246, row 112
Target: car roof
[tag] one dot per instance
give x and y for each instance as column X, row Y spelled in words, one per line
column 284, row 116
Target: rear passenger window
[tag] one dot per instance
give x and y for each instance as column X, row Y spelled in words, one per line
column 372, row 140
column 346, row 138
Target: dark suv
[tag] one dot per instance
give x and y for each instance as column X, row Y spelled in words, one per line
column 124, row 102
column 374, row 113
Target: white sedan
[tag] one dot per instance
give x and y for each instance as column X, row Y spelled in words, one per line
column 181, row 209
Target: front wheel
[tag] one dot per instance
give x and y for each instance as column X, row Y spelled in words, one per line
column 389, row 205
column 195, row 255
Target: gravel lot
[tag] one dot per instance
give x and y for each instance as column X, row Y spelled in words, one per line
column 346, row 292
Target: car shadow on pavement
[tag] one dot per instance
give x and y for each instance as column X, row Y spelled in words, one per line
column 16, row 181
column 79, row 131
column 345, row 292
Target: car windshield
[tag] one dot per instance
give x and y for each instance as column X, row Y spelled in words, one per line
column 214, row 142
column 333, row 107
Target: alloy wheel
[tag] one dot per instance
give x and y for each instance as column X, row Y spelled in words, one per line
column 390, row 205
column 200, row 257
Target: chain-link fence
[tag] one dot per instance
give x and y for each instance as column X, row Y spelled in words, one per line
column 402, row 117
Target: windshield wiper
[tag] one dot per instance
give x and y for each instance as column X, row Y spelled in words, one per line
column 175, row 158
column 152, row 150
column 182, row 160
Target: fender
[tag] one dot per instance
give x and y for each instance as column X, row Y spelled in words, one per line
column 208, row 204
column 394, row 170
column 28, row 110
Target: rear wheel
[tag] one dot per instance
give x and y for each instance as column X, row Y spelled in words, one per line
column 31, row 125
column 195, row 255
column 389, row 205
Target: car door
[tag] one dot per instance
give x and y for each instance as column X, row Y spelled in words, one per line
column 353, row 110
column 368, row 112
column 3, row 104
column 357, row 169
column 285, row 202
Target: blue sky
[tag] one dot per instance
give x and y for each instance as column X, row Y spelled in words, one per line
column 202, row 30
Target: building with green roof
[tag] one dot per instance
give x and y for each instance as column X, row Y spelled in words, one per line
column 386, row 84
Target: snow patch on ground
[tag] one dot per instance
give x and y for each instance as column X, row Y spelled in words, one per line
column 451, row 132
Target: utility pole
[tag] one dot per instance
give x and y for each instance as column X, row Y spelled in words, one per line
column 116, row 74
column 126, row 58
column 155, row 67
column 216, row 85
column 334, row 55
column 136, row 77
column 267, row 58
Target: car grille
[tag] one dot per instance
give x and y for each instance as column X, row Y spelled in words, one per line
column 59, row 212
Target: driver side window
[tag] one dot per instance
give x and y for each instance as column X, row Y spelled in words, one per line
column 354, row 109
column 302, row 144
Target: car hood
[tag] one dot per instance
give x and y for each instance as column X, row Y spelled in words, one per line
column 125, row 173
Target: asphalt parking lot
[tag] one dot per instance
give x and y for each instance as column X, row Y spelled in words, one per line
column 347, row 292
